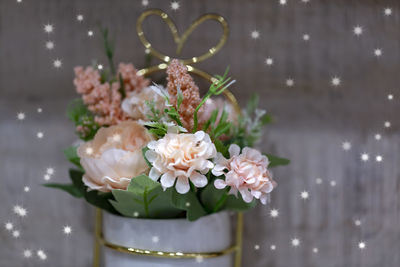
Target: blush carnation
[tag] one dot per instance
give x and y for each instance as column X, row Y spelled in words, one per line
column 181, row 157
column 246, row 172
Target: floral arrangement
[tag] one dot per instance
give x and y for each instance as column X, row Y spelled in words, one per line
column 150, row 151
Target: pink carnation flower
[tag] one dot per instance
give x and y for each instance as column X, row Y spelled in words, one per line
column 246, row 172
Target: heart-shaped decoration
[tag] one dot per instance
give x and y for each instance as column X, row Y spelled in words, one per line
column 180, row 40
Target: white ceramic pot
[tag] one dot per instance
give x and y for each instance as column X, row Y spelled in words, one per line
column 208, row 234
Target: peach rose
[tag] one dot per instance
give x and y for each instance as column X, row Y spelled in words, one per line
column 135, row 106
column 114, row 156
column 183, row 157
column 246, row 172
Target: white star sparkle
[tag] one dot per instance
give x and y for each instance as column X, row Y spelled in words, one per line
column 47, row 177
column 19, row 1
column 39, row 110
column 21, row 116
column 155, row 239
column 50, row 170
column 255, row 34
column 49, row 45
column 387, row 11
column 315, row 250
column 362, row 245
column 136, row 214
column 357, row 222
column 90, row 33
column 304, row 195
column 16, row 233
column 19, row 210
column 318, row 181
column 357, row 30
column 100, row 67
column 145, row 2
column 67, row 229
column 57, row 63
column 256, row 247
column 333, row 183
column 346, row 145
column 39, row 135
column 41, row 254
column 305, row 1
column 175, row 5
column 390, row 97
column 48, row 28
column 289, row 82
column 27, row 189
column 27, row 253
column 306, row 37
column 272, row 247
column 274, row 213
column 378, row 137
column 295, row 242
column 283, row 2
column 79, row 17
column 378, row 52
column 9, row 226
column 364, row 157
column 336, row 81
column 379, row 158
column 387, row 124
column 269, row 61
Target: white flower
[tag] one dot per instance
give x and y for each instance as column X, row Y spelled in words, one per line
column 181, row 157
column 135, row 104
column 246, row 173
column 114, row 156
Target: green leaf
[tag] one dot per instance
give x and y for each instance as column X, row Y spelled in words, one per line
column 76, row 178
column 79, row 114
column 276, row 161
column 238, row 204
column 72, row 156
column 69, row 188
column 252, row 104
column 210, row 196
column 266, row 119
column 190, row 203
column 144, row 150
column 144, row 198
column 100, row 200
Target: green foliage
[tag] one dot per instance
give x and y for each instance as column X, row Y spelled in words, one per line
column 248, row 130
column 69, row 188
column 190, row 203
column 78, row 189
column 156, row 128
column 144, row 198
column 237, row 203
column 216, row 88
column 109, row 49
column 79, row 114
column 276, row 161
column 72, row 156
column 211, row 196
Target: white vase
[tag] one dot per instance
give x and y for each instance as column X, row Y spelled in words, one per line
column 211, row 233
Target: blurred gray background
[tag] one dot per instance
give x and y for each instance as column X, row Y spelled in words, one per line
column 312, row 120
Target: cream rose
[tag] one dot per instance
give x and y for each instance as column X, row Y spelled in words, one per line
column 181, row 157
column 135, row 106
column 246, row 172
column 114, row 156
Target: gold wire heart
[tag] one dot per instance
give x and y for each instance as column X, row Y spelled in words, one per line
column 180, row 40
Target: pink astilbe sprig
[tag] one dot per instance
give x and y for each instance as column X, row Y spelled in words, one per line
column 178, row 77
column 103, row 99
column 132, row 81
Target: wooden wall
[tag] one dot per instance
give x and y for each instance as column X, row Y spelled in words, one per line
column 313, row 119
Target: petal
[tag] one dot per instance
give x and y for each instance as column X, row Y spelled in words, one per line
column 256, row 193
column 199, row 180
column 219, row 184
column 199, row 135
column 154, row 174
column 234, row 150
column 151, row 155
column 167, row 180
column 264, row 199
column 246, row 195
column 182, row 185
column 89, row 183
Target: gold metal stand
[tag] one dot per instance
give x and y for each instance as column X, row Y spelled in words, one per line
column 99, row 240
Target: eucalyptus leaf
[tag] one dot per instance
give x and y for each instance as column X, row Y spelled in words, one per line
column 210, row 196
column 72, row 156
column 237, row 203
